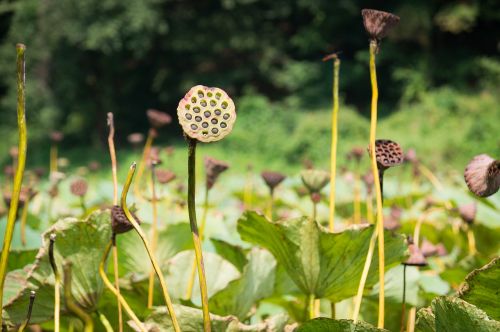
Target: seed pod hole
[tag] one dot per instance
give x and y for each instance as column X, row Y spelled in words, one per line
column 194, row 127
column 204, row 124
column 188, row 107
column 207, row 114
column 203, row 103
column 217, row 96
column 217, row 112
column 189, row 116
column 193, row 99
column 215, row 130
column 213, row 103
column 224, row 105
column 200, row 94
column 209, row 94
column 214, row 121
column 198, row 118
column 196, row 109
column 223, row 125
column 226, row 116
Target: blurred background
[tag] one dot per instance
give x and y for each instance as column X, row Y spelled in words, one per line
column 439, row 75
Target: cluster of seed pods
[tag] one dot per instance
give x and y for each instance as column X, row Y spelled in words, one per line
column 206, row 114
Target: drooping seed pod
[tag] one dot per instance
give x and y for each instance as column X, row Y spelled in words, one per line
column 79, row 187
column 388, row 154
column 213, row 168
column 164, row 176
column 468, row 212
column 416, row 257
column 119, row 221
column 482, row 175
column 272, row 179
column 56, row 136
column 206, row 114
column 135, row 139
column 378, row 23
column 158, row 119
column 314, row 179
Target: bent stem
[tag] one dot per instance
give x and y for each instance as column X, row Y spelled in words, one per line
column 377, row 182
column 120, row 298
column 194, row 230
column 28, row 315
column 333, row 148
column 18, row 178
column 105, row 322
column 24, row 217
column 70, row 304
column 142, row 163
column 154, row 234
column 57, row 283
column 152, row 258
column 403, row 305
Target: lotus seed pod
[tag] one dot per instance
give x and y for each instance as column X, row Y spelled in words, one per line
column 482, row 175
column 164, row 176
column 428, row 249
column 79, row 187
column 416, row 257
column 356, row 154
column 158, row 119
column 378, row 23
column 213, row 168
column 388, row 154
column 25, row 194
column 368, row 181
column 315, row 180
column 56, row 136
column 206, row 114
column 468, row 212
column 441, row 250
column 119, row 221
column 272, row 179
column 135, row 138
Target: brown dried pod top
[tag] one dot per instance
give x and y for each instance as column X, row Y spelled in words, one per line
column 272, row 179
column 56, row 136
column 164, row 176
column 482, row 175
column 356, row 154
column 206, row 114
column 135, row 138
column 153, row 156
column 25, row 194
column 79, row 187
column 378, row 23
column 213, row 168
column 416, row 257
column 468, row 212
column 158, row 119
column 428, row 249
column 119, row 221
column 388, row 154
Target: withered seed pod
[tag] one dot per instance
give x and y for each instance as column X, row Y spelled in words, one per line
column 164, row 176
column 206, row 114
column 416, row 257
column 213, row 168
column 388, row 154
column 79, row 187
column 119, row 221
column 378, row 23
column 314, row 179
column 135, row 138
column 482, row 175
column 158, row 119
column 468, row 212
column 272, row 179
column 56, row 136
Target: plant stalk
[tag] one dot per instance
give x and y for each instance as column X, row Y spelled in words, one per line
column 357, row 199
column 471, row 241
column 140, row 170
column 194, row 231
column 116, row 273
column 141, row 234
column 53, row 158
column 270, row 204
column 28, row 315
column 57, row 283
column 334, row 139
column 18, row 178
column 403, row 305
column 154, row 234
column 71, row 305
column 24, row 217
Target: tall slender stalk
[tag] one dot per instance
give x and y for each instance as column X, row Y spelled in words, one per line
column 471, row 240
column 378, row 189
column 194, row 230
column 357, row 199
column 334, row 139
column 57, row 283
column 18, row 178
column 403, row 302
column 142, row 163
column 70, row 304
column 141, row 234
column 247, row 195
column 270, row 203
column 53, row 158
column 154, row 233
column 28, row 315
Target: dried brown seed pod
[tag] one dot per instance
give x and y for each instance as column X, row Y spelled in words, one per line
column 158, row 119
column 119, row 221
column 482, row 175
column 314, row 179
column 135, row 138
column 56, row 136
column 378, row 23
column 356, row 154
column 428, row 249
column 206, row 114
column 468, row 212
column 272, row 179
column 416, row 257
column 164, row 176
column 153, row 156
column 25, row 194
column 213, row 168
column 79, row 187
column 388, row 154
column 94, row 166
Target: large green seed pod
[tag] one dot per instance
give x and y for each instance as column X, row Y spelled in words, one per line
column 314, row 179
column 206, row 114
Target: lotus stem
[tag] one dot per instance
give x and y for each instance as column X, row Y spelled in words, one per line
column 28, row 315
column 369, row 208
column 189, row 290
column 317, row 307
column 57, row 283
column 311, row 306
column 247, row 195
column 154, row 234
column 18, row 178
column 142, row 163
column 418, row 224
column 332, row 309
column 471, row 241
column 109, row 285
column 70, row 304
column 116, row 273
column 141, row 234
column 411, row 320
column 53, row 158
column 314, row 210
column 430, row 176
column 270, row 204
column 334, row 139
column 357, row 200
column 403, row 305
column 105, row 322
column 194, row 231
column 377, row 182
column 24, row 217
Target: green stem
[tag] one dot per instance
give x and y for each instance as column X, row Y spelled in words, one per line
column 311, row 306
column 403, row 306
column 105, row 322
column 57, row 282
column 18, row 178
column 152, row 258
column 154, row 233
column 70, row 304
column 30, row 309
column 194, row 230
column 334, row 140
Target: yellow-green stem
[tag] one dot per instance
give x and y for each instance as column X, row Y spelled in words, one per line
column 332, row 309
column 71, row 305
column 57, row 283
column 369, row 208
column 28, row 315
column 105, row 322
column 117, row 283
column 378, row 190
column 112, row 154
column 18, row 178
column 311, row 306
column 270, row 204
column 314, row 210
column 24, row 217
column 472, row 241
column 53, row 158
column 120, row 298
column 411, row 320
column 247, row 196
column 194, row 230
column 141, row 234
column 154, row 236
column 333, row 148
column 142, row 163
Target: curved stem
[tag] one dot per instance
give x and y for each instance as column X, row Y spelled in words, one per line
column 154, row 235
column 117, row 282
column 378, row 189
column 194, row 230
column 57, row 282
column 28, row 315
column 71, row 305
column 333, row 148
column 18, row 178
column 112, row 154
column 140, row 169
column 120, row 298
column 24, row 217
column 141, row 234
column 105, row 322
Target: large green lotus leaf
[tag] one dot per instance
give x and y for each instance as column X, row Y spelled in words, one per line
column 452, row 314
column 320, row 263
column 191, row 320
column 15, row 281
column 33, row 241
column 482, row 288
column 18, row 259
column 256, row 283
column 342, row 325
column 81, row 242
column 232, row 253
column 133, row 257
